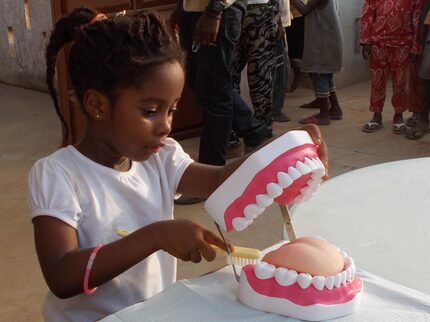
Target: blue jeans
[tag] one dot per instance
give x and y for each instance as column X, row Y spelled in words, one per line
column 208, row 72
column 323, row 84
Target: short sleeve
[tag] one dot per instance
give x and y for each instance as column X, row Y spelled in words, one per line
column 50, row 192
column 174, row 162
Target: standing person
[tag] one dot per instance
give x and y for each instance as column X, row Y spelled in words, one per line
column 296, row 38
column 256, row 49
column 322, row 56
column 128, row 75
column 388, row 37
column 422, row 126
column 209, row 32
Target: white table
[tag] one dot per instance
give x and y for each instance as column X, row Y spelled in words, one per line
column 212, row 298
column 380, row 215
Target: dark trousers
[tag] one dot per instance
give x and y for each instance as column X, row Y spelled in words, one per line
column 282, row 73
column 209, row 75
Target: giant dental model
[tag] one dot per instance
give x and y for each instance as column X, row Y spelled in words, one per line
column 313, row 291
column 286, row 170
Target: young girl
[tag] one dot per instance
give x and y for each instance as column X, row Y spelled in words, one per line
column 388, row 37
column 322, row 56
column 128, row 75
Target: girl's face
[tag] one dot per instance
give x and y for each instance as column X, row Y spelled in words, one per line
column 141, row 119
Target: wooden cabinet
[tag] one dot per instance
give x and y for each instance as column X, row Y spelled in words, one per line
column 188, row 119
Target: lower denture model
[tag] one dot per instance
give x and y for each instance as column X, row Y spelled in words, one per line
column 307, row 278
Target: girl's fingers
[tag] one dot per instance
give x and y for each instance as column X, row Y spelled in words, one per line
column 195, row 256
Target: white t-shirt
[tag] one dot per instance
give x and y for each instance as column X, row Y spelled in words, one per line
column 96, row 201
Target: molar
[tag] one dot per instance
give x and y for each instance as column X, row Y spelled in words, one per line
column 274, row 190
column 263, row 201
column 349, row 275
column 264, row 270
column 311, row 164
column 293, row 173
column 304, row 280
column 329, row 282
column 318, row 282
column 338, row 280
column 285, row 277
column 303, row 168
column 252, row 211
column 343, row 274
column 240, row 223
column 284, row 180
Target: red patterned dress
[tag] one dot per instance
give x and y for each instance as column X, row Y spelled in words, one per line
column 391, row 28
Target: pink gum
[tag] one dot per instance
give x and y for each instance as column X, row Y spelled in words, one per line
column 269, row 174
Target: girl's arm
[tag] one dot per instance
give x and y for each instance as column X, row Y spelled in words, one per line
column 63, row 263
column 201, row 180
column 307, row 8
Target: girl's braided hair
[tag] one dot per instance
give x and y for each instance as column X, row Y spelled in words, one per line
column 109, row 54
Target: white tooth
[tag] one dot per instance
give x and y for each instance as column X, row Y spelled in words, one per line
column 263, row 201
column 303, row 168
column 343, row 274
column 349, row 274
column 304, row 280
column 344, row 255
column 354, row 269
column 318, row 174
column 284, row 180
column 290, row 278
column 329, row 282
column 314, row 187
column 264, row 270
column 280, row 276
column 318, row 282
column 319, row 163
column 274, row 190
column 293, row 173
column 240, row 223
column 252, row 211
column 311, row 164
column 338, row 280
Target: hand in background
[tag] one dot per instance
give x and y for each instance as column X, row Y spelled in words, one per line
column 207, row 27
column 316, row 136
column 366, row 51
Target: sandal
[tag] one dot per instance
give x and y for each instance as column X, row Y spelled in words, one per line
column 313, row 119
column 371, row 127
column 418, row 132
column 312, row 104
column 399, row 128
column 413, row 120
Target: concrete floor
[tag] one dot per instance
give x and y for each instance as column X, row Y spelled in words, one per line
column 29, row 130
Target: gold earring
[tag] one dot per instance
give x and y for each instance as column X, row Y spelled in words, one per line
column 97, row 116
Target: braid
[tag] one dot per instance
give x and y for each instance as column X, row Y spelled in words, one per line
column 112, row 53
column 64, row 32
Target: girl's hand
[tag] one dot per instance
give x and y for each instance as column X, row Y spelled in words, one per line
column 315, row 133
column 186, row 240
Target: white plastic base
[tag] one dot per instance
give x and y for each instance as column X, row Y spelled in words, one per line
column 316, row 312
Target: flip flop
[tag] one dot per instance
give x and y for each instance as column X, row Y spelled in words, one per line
column 413, row 120
column 417, row 132
column 309, row 105
column 371, row 127
column 399, row 128
column 314, row 120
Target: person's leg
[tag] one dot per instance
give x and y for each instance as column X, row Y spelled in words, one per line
column 414, row 93
column 379, row 73
column 335, row 110
column 295, row 38
column 240, row 56
column 261, row 30
column 280, row 80
column 321, row 84
column 422, row 127
column 399, row 70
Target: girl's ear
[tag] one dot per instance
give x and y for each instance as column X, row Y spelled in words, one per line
column 95, row 104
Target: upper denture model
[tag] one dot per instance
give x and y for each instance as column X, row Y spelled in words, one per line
column 287, row 170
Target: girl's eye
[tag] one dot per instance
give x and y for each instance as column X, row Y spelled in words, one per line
column 149, row 112
column 173, row 110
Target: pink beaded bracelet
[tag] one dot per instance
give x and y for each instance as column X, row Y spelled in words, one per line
column 88, row 270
